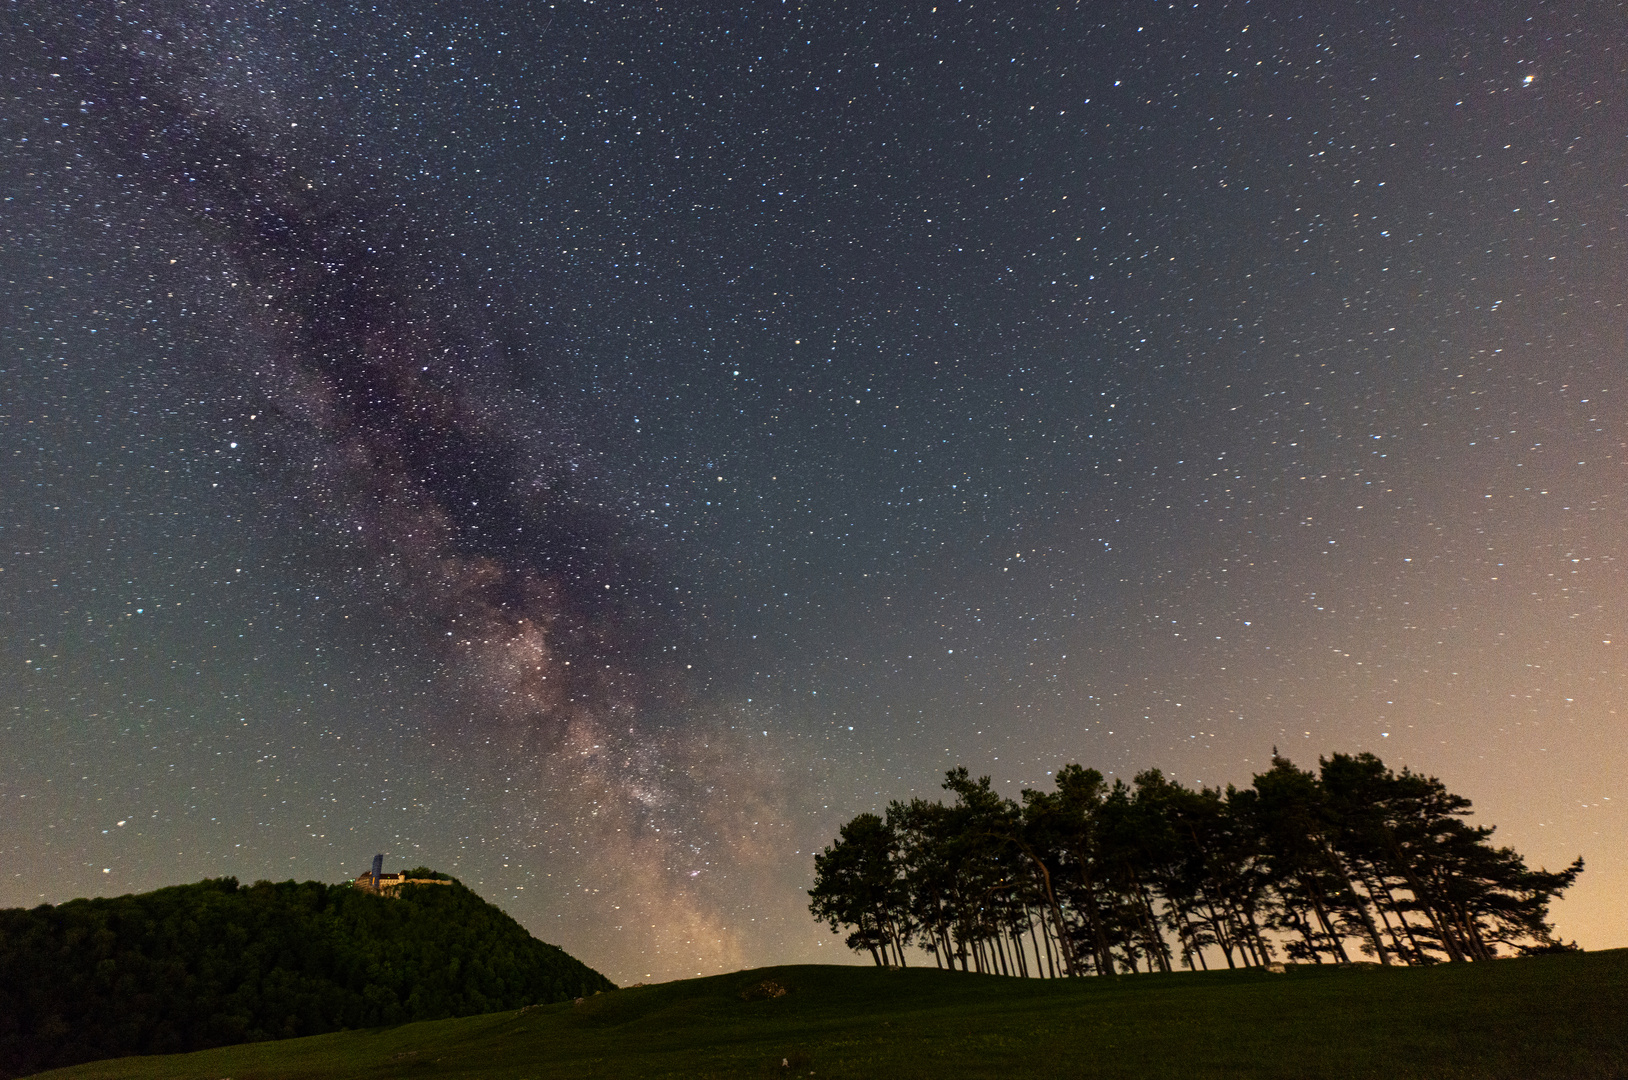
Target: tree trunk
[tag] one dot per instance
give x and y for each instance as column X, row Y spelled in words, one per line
column 1187, row 935
column 1194, row 946
column 1328, row 926
column 1364, row 873
column 1240, row 931
column 1158, row 951
column 1223, row 935
column 1396, row 939
column 1442, row 921
column 1472, row 934
column 1339, row 868
column 1263, row 951
column 1103, row 954
column 1401, row 917
column 1455, row 953
column 1057, row 913
column 1034, row 943
column 1045, row 937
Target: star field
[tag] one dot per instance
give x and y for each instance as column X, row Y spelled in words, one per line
column 595, row 449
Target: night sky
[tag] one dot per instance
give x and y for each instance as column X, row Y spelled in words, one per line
column 595, row 450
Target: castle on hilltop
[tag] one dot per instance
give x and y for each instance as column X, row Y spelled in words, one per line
column 377, row 881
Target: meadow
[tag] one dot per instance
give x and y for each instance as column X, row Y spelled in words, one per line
column 1562, row 1015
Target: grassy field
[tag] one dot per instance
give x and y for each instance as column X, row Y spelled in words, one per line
column 1563, row 1016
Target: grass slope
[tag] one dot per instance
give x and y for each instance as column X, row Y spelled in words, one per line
column 1551, row 1016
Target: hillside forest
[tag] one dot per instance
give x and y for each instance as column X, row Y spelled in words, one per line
column 214, row 963
column 1352, row 862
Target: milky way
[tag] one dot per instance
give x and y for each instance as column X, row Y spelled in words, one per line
column 598, row 453
column 400, row 422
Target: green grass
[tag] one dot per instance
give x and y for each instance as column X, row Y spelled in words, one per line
column 1563, row 1016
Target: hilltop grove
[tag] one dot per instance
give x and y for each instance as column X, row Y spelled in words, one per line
column 1353, row 862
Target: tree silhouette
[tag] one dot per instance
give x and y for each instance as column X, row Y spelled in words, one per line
column 1091, row 877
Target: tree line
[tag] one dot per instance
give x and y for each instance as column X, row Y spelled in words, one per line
column 1355, row 860
column 213, row 963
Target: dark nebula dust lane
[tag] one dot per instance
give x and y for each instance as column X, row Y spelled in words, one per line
column 598, row 451
column 381, row 358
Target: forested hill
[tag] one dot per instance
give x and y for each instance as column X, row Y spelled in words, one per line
column 202, row 965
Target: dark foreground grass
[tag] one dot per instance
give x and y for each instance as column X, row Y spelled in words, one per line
column 1563, row 1016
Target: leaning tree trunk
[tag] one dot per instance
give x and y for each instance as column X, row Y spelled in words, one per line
column 1103, row 953
column 1223, row 934
column 1427, row 901
column 1158, row 951
column 1401, row 917
column 1056, row 913
column 1340, row 872
column 1263, row 951
column 1045, row 939
column 1369, row 875
column 1336, row 940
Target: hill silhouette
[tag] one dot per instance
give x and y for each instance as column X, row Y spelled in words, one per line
column 214, row 963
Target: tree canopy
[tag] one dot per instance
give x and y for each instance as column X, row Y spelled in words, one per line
column 195, row 966
column 1355, row 860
